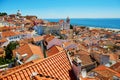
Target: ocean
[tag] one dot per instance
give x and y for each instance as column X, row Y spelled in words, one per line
column 112, row 23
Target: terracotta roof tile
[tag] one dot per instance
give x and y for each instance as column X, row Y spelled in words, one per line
column 116, row 67
column 1, row 50
column 63, row 32
column 3, row 40
column 48, row 38
column 86, row 60
column 30, row 49
column 114, row 57
column 38, row 38
column 53, row 50
column 106, row 72
column 83, row 52
column 56, row 66
column 6, row 28
column 42, row 78
column 8, row 34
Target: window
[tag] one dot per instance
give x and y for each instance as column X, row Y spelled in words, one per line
column 10, row 38
column 15, row 37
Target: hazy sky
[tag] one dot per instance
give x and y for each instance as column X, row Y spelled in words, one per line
column 63, row 8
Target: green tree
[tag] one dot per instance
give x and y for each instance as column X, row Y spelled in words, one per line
column 71, row 26
column 3, row 14
column 5, row 61
column 8, row 50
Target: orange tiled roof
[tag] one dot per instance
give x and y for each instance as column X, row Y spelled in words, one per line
column 86, row 60
column 83, row 52
column 106, row 72
column 30, row 49
column 53, row 50
column 17, row 33
column 23, row 41
column 63, row 32
column 41, row 78
column 66, row 44
column 52, row 23
column 38, row 38
column 116, row 67
column 48, row 38
column 1, row 49
column 27, row 21
column 114, row 57
column 5, row 28
column 3, row 40
column 57, row 66
column 10, row 33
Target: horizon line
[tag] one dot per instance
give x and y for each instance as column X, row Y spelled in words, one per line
column 83, row 18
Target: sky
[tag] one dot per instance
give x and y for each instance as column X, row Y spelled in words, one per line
column 63, row 8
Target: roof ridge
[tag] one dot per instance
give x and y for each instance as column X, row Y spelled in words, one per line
column 25, row 45
column 59, row 48
column 113, row 70
column 29, row 45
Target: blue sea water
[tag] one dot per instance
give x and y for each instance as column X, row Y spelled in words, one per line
column 113, row 23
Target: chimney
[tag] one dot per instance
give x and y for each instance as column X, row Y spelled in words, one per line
column 44, row 48
column 76, row 66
